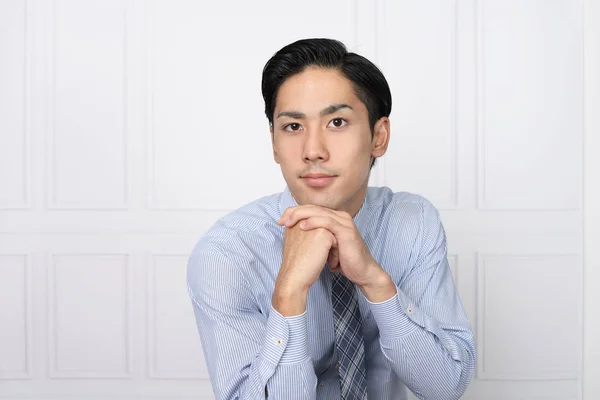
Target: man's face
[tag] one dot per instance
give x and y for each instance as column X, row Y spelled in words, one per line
column 322, row 139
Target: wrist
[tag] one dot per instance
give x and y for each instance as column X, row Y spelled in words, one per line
column 380, row 286
column 289, row 301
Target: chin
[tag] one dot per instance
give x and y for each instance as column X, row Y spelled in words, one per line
column 322, row 199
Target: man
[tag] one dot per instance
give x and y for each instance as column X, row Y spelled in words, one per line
column 331, row 289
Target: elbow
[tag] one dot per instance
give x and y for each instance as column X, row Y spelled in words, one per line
column 450, row 385
column 465, row 374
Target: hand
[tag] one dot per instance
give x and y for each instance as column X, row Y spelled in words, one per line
column 350, row 254
column 304, row 255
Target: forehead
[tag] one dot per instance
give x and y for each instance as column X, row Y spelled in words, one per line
column 315, row 88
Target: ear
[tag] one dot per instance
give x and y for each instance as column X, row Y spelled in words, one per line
column 381, row 137
column 275, row 156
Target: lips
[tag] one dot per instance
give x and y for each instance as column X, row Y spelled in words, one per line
column 318, row 180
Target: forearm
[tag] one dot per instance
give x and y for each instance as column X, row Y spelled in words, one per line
column 434, row 363
column 247, row 363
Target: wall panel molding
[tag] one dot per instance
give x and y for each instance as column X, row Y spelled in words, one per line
column 22, row 202
column 445, row 201
column 504, row 301
column 538, row 184
column 88, row 312
column 79, row 201
column 27, row 308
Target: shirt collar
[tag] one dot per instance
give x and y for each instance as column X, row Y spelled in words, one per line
column 360, row 219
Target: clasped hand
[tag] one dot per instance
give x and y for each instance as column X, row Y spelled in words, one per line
column 348, row 252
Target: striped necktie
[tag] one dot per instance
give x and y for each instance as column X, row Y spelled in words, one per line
column 348, row 339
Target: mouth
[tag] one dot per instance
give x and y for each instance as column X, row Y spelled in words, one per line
column 318, row 180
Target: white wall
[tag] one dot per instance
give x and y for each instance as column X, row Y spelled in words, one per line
column 127, row 127
column 591, row 216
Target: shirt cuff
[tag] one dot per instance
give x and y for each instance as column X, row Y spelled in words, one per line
column 297, row 347
column 286, row 338
column 396, row 317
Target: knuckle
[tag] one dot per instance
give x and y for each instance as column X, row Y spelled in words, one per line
column 322, row 232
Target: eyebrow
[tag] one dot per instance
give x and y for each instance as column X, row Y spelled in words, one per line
column 326, row 111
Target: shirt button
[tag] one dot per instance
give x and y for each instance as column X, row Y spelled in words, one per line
column 409, row 310
column 321, row 385
column 337, row 365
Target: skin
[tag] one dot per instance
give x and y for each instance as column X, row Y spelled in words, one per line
column 321, row 126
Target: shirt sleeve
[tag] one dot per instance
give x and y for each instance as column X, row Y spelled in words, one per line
column 248, row 355
column 423, row 330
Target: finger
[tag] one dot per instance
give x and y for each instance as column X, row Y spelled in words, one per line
column 291, row 210
column 290, row 218
column 286, row 217
column 331, row 261
column 294, row 214
column 334, row 258
column 330, row 223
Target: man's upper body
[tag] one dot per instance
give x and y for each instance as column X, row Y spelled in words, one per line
column 261, row 279
column 419, row 338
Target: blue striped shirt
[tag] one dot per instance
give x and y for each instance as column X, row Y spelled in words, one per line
column 420, row 338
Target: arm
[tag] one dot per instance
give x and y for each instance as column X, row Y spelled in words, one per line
column 424, row 331
column 246, row 352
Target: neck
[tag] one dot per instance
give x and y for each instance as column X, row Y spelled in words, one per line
column 356, row 202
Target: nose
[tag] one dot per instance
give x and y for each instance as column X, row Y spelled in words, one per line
column 315, row 148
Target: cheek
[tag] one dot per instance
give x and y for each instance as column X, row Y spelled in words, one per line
column 354, row 150
column 288, row 154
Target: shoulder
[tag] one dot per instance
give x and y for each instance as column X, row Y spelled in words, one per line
column 409, row 229
column 407, row 219
column 231, row 239
column 225, row 254
column 252, row 219
column 402, row 207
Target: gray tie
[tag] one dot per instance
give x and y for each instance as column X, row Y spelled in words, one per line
column 348, row 339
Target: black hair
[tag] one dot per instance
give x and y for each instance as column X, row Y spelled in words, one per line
column 367, row 80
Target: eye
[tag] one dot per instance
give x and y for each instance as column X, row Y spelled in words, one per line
column 293, row 127
column 338, row 122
